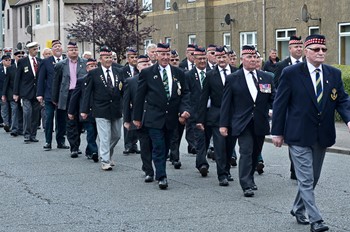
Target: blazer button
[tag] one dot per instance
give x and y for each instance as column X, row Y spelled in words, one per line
column 166, row 112
column 110, row 101
column 254, row 105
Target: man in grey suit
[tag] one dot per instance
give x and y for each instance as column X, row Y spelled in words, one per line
column 303, row 117
column 67, row 73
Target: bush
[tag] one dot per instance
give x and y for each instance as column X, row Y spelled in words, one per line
column 345, row 69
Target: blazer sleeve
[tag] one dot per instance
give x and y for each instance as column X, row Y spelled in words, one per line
column 88, row 87
column 56, row 82
column 41, row 79
column 127, row 99
column 73, row 107
column 141, row 95
column 203, row 102
column 226, row 103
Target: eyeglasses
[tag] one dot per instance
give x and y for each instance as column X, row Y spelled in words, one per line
column 212, row 53
column 172, row 60
column 19, row 56
column 318, row 49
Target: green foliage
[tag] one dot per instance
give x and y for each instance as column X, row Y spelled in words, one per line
column 345, row 69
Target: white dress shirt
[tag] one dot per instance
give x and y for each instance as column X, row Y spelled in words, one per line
column 110, row 73
column 168, row 73
column 250, row 82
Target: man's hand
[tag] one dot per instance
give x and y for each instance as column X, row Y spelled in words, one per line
column 127, row 125
column 40, row 99
column 15, row 98
column 137, row 124
column 223, row 131
column 185, row 115
column 182, row 120
column 71, row 116
column 277, row 140
column 84, row 115
column 200, row 126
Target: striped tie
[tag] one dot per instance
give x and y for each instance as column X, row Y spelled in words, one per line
column 202, row 77
column 319, row 90
column 166, row 83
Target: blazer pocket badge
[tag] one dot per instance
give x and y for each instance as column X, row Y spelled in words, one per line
column 120, row 86
column 178, row 88
column 265, row 88
column 155, row 77
column 334, row 94
column 26, row 69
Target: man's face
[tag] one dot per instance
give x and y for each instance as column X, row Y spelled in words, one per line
column 143, row 65
column 200, row 61
column 73, row 53
column 152, row 53
column 19, row 56
column 222, row 60
column 316, row 54
column 6, row 62
column 90, row 67
column 211, row 57
column 296, row 50
column 33, row 51
column 233, row 60
column 132, row 60
column 258, row 65
column 57, row 50
column 273, row 54
column 47, row 53
column 106, row 61
column 174, row 61
column 189, row 55
column 249, row 61
column 163, row 58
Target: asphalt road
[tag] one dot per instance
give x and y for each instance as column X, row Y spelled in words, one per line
column 49, row 191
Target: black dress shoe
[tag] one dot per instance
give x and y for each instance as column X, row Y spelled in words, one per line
column 148, row 179
column 254, row 187
column 248, row 192
column 223, row 182
column 137, row 151
column 7, row 128
column 163, row 183
column 318, row 227
column 233, row 162
column 127, row 151
column 177, row 164
column 34, row 140
column 74, row 154
column 14, row 134
column 301, row 219
column 260, row 167
column 229, row 178
column 26, row 140
column 47, row 147
column 80, row 152
column 62, row 146
column 94, row 157
column 203, row 170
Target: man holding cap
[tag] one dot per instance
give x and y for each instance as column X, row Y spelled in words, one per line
column 307, row 97
column 25, row 88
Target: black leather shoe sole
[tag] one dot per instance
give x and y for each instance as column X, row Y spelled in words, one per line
column 301, row 219
column 318, row 227
column 74, row 154
column 163, row 184
column 177, row 164
column 223, row 182
column 47, row 147
column 149, row 179
column 248, row 192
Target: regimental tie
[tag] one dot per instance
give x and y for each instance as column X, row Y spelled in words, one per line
column 319, row 90
column 109, row 79
column 255, row 80
column 202, row 78
column 35, row 64
column 166, row 83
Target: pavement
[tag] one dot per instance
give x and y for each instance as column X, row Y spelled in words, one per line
column 49, row 191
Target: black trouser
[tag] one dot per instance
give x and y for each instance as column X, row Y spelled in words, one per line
column 73, row 128
column 146, row 151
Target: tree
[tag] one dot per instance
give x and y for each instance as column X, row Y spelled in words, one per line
column 113, row 23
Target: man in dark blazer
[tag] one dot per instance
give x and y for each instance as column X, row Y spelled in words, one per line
column 25, row 88
column 67, row 72
column 303, row 117
column 44, row 91
column 74, row 109
column 211, row 59
column 164, row 89
column 129, row 98
column 128, row 71
column 296, row 51
column 213, row 88
column 104, row 90
column 248, row 96
column 188, row 63
column 195, row 80
column 4, row 74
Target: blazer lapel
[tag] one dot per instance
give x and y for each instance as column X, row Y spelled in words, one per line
column 307, row 81
column 244, row 85
column 157, row 79
column 327, row 77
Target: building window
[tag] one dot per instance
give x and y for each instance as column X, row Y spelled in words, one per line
column 192, row 39
column 48, row 11
column 37, row 14
column 314, row 30
column 147, row 4
column 146, row 42
column 227, row 40
column 344, row 43
column 168, row 40
column 191, row 0
column 282, row 41
column 26, row 16
column 8, row 19
column 167, row 4
column 248, row 38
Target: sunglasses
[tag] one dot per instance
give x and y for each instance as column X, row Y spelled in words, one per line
column 318, row 49
column 172, row 60
column 212, row 53
column 19, row 56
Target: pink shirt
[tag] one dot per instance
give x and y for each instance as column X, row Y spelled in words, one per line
column 72, row 73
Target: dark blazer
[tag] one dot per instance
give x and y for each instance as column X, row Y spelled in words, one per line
column 160, row 112
column 238, row 107
column 2, row 78
column 106, row 102
column 184, row 65
column 213, row 88
column 129, row 99
column 195, row 89
column 125, row 71
column 296, row 114
column 7, row 89
column 45, row 78
column 25, row 80
column 61, row 81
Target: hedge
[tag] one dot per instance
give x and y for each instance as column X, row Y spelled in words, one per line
column 345, row 69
